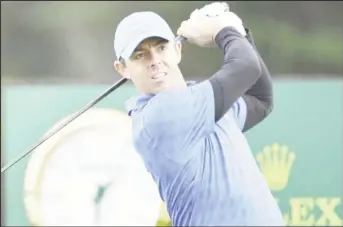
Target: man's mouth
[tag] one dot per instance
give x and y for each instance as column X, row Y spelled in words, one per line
column 158, row 76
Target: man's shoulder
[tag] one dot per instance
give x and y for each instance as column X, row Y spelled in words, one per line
column 153, row 132
column 172, row 113
column 159, row 113
column 150, row 119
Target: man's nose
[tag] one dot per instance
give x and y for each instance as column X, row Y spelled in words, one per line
column 155, row 59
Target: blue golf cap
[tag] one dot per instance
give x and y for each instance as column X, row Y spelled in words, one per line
column 137, row 27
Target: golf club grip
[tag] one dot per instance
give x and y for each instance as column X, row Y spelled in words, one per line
column 180, row 38
column 72, row 118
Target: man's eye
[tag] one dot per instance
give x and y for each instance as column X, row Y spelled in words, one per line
column 162, row 47
column 138, row 56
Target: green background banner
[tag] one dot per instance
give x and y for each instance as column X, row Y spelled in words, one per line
column 305, row 127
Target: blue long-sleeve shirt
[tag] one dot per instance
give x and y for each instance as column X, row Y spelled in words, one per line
column 204, row 168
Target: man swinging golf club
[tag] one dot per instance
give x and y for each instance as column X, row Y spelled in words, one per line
column 190, row 135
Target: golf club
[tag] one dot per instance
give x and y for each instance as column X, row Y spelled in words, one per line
column 73, row 117
column 215, row 10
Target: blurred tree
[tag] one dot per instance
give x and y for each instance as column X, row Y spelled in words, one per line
column 73, row 41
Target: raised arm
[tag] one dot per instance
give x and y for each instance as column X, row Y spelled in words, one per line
column 240, row 71
column 259, row 98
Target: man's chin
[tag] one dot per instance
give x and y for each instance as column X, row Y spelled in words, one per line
column 166, row 87
column 161, row 87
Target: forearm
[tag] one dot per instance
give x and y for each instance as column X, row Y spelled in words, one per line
column 259, row 98
column 240, row 70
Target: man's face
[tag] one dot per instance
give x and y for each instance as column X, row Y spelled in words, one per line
column 153, row 66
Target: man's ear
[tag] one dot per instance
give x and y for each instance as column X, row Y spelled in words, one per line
column 121, row 68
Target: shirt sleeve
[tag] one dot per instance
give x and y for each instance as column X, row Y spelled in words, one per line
column 175, row 120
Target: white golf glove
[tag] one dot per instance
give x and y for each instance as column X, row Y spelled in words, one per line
column 222, row 8
column 215, row 9
column 205, row 23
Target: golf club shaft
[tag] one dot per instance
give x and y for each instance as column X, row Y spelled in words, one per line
column 72, row 118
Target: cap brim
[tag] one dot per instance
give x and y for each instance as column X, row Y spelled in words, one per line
column 134, row 43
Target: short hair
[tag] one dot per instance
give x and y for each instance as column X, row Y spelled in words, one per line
column 122, row 60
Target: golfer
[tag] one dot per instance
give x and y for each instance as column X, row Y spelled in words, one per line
column 190, row 135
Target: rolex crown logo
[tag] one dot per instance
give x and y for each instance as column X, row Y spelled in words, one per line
column 275, row 162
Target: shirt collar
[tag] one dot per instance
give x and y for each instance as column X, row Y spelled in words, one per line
column 137, row 102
